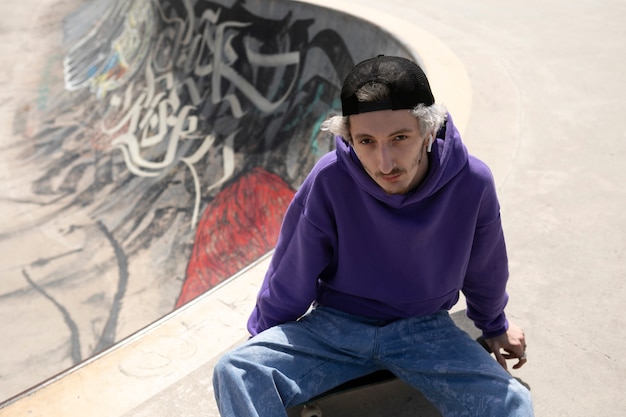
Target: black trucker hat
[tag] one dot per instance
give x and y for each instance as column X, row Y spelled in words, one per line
column 407, row 84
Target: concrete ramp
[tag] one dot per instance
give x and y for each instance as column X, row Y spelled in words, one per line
column 149, row 151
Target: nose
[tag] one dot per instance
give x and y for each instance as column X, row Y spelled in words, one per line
column 386, row 160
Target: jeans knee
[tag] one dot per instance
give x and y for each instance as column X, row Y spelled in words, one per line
column 522, row 399
column 223, row 370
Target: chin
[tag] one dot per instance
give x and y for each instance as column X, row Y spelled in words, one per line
column 395, row 190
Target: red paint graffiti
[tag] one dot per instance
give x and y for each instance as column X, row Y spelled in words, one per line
column 237, row 228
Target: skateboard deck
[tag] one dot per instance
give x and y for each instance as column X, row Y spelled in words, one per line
column 375, row 395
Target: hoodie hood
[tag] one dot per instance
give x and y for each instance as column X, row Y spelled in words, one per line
column 447, row 159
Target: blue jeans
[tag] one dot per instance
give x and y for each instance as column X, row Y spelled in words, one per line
column 290, row 363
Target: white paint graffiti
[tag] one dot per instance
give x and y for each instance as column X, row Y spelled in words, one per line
column 153, row 114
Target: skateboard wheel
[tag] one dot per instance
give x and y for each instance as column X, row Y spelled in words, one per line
column 311, row 410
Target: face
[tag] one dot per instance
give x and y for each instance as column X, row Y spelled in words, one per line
column 391, row 148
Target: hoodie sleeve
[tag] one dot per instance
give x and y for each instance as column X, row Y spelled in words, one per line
column 302, row 252
column 487, row 274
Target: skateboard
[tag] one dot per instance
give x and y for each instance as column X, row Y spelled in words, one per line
column 374, row 395
column 312, row 408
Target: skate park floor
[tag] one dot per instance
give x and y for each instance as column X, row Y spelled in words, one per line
column 540, row 98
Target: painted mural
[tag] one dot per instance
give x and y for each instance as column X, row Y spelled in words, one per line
column 163, row 149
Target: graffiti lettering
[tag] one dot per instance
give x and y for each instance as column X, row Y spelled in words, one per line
column 195, row 124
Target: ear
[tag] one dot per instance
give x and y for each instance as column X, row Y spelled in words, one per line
column 430, row 143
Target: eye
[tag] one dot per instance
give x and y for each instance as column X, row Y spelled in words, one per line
column 400, row 137
column 365, row 141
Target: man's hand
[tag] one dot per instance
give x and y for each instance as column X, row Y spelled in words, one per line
column 509, row 345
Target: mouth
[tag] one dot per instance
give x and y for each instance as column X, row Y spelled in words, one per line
column 391, row 178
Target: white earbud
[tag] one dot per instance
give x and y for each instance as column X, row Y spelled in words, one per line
column 430, row 143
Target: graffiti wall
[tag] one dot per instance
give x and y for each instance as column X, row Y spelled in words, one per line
column 166, row 141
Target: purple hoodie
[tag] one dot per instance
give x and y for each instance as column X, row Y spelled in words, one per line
column 347, row 244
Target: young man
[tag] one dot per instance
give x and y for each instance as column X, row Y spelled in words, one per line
column 379, row 240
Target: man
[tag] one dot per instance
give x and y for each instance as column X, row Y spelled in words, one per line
column 379, row 240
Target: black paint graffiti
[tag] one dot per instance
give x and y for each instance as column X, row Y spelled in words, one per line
column 166, row 104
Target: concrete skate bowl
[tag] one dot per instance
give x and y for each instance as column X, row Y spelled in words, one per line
column 164, row 145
